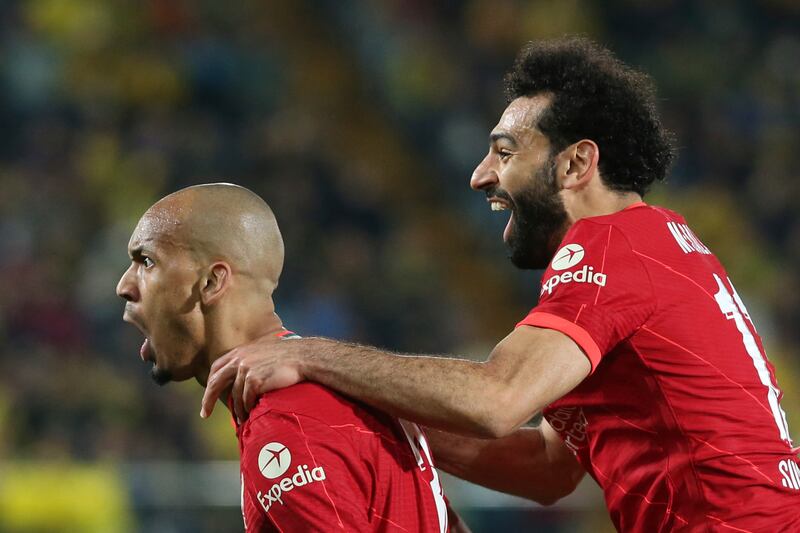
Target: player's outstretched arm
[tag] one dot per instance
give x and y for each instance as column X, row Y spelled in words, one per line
column 532, row 463
column 526, row 371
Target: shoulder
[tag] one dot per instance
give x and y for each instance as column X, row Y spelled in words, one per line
column 636, row 217
column 602, row 254
column 302, row 398
column 640, row 223
column 316, row 403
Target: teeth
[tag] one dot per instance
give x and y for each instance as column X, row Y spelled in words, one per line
column 497, row 206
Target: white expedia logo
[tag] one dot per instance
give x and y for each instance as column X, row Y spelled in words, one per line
column 567, row 257
column 274, row 459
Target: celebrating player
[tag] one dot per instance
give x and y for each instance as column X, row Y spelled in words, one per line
column 640, row 353
column 204, row 263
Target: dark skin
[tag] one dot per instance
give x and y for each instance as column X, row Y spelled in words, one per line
column 526, row 371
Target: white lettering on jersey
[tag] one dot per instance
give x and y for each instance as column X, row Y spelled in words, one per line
column 419, row 445
column 303, row 476
column 790, row 473
column 686, row 239
column 732, row 308
column 244, row 516
column 570, row 423
column 584, row 275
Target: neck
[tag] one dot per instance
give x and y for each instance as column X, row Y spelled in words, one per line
column 595, row 205
column 228, row 330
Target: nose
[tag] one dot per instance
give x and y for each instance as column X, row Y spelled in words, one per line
column 484, row 175
column 126, row 288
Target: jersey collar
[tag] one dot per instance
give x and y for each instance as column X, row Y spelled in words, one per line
column 634, row 206
column 284, row 335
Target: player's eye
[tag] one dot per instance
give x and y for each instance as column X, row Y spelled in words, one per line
column 504, row 154
column 147, row 262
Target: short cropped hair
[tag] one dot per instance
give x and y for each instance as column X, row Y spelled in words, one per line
column 597, row 97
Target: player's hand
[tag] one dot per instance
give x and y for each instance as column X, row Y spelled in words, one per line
column 254, row 368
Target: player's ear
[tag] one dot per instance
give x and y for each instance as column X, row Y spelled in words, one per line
column 215, row 282
column 577, row 163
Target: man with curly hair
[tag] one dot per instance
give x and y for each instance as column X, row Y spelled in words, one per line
column 640, row 354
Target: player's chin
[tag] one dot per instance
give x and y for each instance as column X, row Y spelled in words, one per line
column 161, row 376
column 171, row 370
column 517, row 252
column 527, row 254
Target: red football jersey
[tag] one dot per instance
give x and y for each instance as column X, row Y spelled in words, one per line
column 680, row 420
column 313, row 460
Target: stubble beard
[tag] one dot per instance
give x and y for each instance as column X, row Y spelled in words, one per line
column 540, row 221
column 160, row 376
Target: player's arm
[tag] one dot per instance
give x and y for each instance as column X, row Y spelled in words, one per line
column 526, row 371
column 533, row 463
column 303, row 475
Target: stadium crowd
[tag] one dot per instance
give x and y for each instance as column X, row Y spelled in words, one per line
column 359, row 122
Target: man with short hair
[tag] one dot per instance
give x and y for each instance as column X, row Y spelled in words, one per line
column 204, row 263
column 640, row 353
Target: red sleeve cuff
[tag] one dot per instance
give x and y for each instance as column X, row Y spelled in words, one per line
column 570, row 329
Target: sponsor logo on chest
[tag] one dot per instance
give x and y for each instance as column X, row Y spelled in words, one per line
column 570, row 256
column 273, row 461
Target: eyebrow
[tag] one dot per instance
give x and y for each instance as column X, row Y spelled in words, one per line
column 494, row 137
column 138, row 252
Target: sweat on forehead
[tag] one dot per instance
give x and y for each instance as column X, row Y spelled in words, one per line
column 155, row 223
column 218, row 221
column 161, row 226
column 198, row 213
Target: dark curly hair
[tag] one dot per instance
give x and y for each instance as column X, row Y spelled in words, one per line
column 597, row 97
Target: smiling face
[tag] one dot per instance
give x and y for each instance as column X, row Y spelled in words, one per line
column 519, row 175
column 160, row 289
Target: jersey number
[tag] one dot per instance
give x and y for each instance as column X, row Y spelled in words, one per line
column 419, row 445
column 733, row 308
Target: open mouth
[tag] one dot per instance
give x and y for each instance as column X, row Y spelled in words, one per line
column 146, row 350
column 500, row 204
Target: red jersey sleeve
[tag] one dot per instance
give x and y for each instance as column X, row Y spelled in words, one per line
column 595, row 290
column 304, row 475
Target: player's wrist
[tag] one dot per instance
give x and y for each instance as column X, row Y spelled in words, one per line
column 305, row 357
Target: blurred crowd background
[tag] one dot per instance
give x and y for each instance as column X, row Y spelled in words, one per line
column 359, row 122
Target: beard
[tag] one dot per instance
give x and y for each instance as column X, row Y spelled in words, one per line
column 540, row 220
column 160, row 376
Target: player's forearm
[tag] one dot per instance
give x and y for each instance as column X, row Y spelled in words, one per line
column 452, row 394
column 521, row 464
